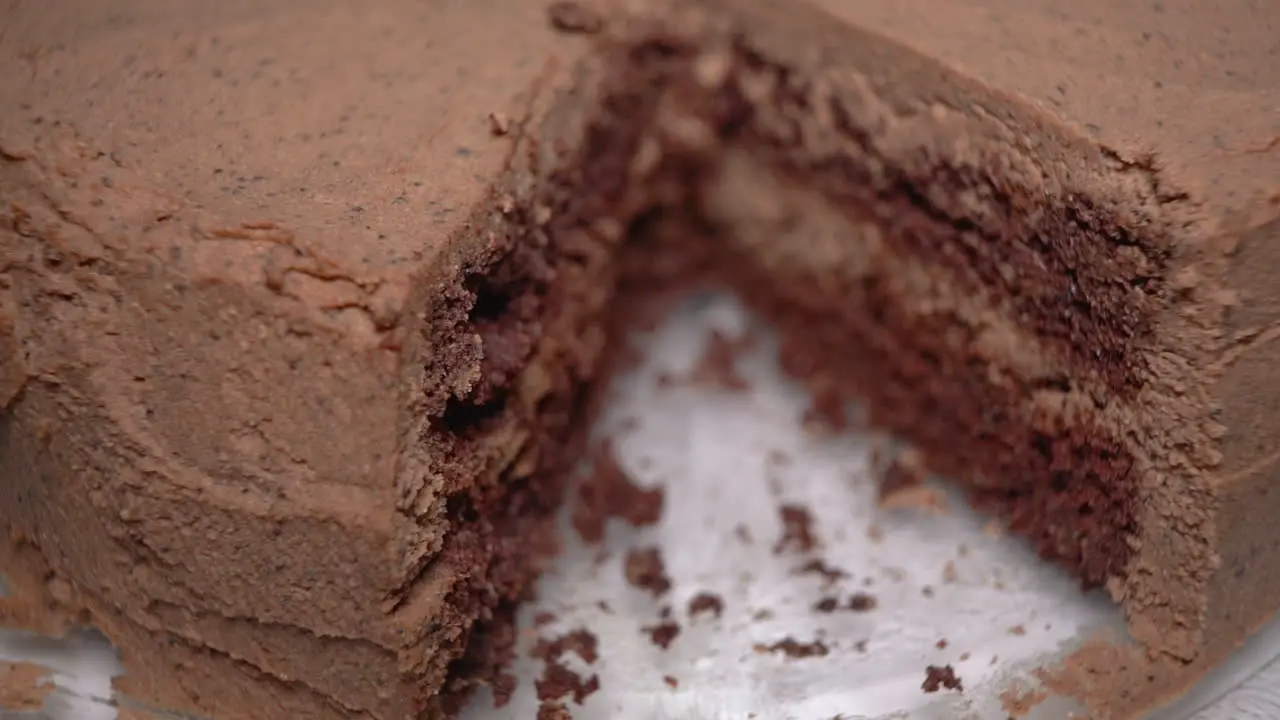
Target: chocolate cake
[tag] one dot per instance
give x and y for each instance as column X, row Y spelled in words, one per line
column 302, row 303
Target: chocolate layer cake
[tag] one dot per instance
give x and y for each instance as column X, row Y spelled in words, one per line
column 303, row 303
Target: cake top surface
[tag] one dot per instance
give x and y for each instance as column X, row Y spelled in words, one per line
column 360, row 129
column 364, row 129
column 1196, row 83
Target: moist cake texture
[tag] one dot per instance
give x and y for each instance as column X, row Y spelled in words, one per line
column 298, row 343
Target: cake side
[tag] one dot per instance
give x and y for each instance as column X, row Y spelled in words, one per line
column 1247, row 401
column 235, row 544
column 213, row 293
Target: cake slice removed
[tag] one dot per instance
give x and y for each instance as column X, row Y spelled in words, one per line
column 303, row 304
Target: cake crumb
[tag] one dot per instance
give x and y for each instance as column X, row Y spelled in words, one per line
column 663, row 634
column 582, row 642
column 860, row 646
column 875, row 533
column 718, row 365
column 24, row 686
column 743, row 533
column 949, row 573
column 797, row 530
column 553, row 710
column 829, row 573
column 1018, row 630
column 904, row 471
column 671, row 682
column 503, row 687
column 776, row 458
column 574, row 18
column 793, row 648
column 939, row 677
column 645, row 571
column 903, row 483
column 827, row 604
column 993, row 528
column 964, row 657
column 543, row 618
column 920, row 497
column 941, row 644
column 499, row 124
column 609, row 492
column 762, row 615
column 705, row 602
column 862, row 602
column 557, row 681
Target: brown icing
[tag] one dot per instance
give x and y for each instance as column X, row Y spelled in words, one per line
column 293, row 350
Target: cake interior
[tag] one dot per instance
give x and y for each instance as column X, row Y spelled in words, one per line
column 1001, row 337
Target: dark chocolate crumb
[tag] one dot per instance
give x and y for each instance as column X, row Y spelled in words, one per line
column 503, row 686
column 718, row 366
column 743, row 534
column 499, row 124
column 706, row 602
column 827, row 604
column 553, row 710
column 665, row 612
column 604, row 606
column 543, row 618
column 941, row 644
column 574, row 17
column 797, row 530
column 609, row 492
column 795, row 649
column 937, row 678
column 663, row 634
column 645, row 571
column 671, row 682
column 829, row 573
column 558, row 681
column 582, row 642
column 862, row 602
column 902, row 472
